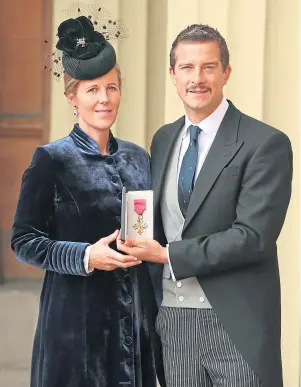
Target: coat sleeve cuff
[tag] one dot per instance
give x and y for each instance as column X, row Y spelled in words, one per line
column 68, row 257
column 169, row 263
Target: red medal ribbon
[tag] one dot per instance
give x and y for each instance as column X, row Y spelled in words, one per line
column 139, row 206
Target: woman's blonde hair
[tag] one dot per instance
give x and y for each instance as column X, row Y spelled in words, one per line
column 71, row 84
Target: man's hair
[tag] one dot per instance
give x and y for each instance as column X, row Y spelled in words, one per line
column 200, row 33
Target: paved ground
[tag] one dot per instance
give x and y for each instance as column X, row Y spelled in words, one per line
column 18, row 313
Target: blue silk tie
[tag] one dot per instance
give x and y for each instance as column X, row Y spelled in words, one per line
column 187, row 171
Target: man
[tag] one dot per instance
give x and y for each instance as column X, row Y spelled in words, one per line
column 222, row 185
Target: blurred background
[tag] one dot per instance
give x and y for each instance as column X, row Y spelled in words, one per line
column 264, row 42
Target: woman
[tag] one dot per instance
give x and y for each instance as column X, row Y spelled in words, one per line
column 97, row 306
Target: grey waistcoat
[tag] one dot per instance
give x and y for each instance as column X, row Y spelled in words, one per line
column 185, row 293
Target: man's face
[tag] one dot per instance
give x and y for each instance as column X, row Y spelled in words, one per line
column 199, row 77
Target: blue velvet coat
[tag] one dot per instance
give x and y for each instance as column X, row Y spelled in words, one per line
column 93, row 330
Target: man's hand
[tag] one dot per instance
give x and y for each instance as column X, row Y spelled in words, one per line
column 143, row 249
column 102, row 257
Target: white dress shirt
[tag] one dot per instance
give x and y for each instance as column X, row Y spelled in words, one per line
column 86, row 260
column 209, row 127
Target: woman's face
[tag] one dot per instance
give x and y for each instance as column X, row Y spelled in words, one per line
column 97, row 101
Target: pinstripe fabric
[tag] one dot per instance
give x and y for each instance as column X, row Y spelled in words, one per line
column 198, row 352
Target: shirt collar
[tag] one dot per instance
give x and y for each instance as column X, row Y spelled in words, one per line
column 211, row 123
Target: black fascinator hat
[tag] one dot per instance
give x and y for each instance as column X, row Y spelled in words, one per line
column 86, row 53
column 82, row 51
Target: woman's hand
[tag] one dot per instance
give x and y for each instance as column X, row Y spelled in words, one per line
column 102, row 257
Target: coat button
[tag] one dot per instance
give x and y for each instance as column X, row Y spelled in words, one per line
column 109, row 160
column 179, row 284
column 119, row 196
column 128, row 340
column 128, row 299
column 202, row 299
column 129, row 362
column 181, row 298
column 115, row 178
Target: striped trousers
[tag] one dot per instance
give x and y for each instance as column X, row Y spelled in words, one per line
column 197, row 351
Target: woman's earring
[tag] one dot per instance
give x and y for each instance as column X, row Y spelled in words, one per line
column 75, row 111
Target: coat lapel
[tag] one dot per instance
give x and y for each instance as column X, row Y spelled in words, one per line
column 223, row 149
column 171, row 133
